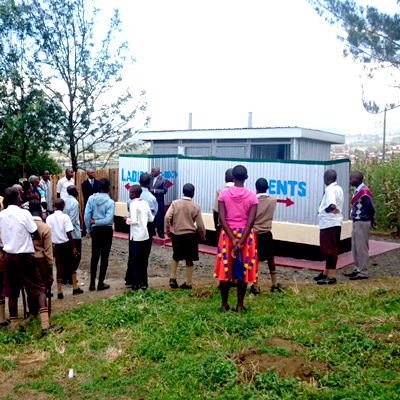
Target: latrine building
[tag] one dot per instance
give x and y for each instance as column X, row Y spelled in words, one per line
column 283, row 143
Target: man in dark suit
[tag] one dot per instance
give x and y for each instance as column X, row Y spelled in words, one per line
column 159, row 187
column 90, row 186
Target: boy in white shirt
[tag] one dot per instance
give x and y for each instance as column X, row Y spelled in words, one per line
column 64, row 246
column 139, row 216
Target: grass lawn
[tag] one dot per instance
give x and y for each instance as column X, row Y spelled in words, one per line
column 306, row 343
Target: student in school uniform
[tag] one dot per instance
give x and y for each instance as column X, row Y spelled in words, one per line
column 17, row 231
column 262, row 227
column 64, row 246
column 144, row 182
column 185, row 216
column 72, row 210
column 4, row 323
column 237, row 208
column 43, row 252
column 139, row 216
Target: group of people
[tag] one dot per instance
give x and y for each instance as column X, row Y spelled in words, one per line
column 37, row 232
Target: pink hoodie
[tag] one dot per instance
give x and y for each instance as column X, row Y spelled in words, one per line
column 238, row 202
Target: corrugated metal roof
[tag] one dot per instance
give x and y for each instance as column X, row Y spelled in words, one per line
column 245, row 133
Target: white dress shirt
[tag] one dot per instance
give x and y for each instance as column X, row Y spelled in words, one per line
column 62, row 186
column 60, row 224
column 333, row 195
column 139, row 216
column 359, row 187
column 17, row 225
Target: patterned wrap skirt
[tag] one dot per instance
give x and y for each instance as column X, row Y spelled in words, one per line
column 223, row 262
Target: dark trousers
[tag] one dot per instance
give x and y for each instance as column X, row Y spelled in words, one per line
column 77, row 261
column 160, row 217
column 136, row 273
column 101, row 247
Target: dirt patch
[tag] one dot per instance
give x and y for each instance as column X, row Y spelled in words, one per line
column 252, row 361
column 202, row 293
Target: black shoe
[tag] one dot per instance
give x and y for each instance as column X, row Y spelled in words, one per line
column 92, row 288
column 327, row 281
column 60, row 296
column 5, row 326
column 161, row 236
column 351, row 274
column 104, row 286
column 144, row 287
column 319, row 277
column 223, row 309
column 255, row 289
column 173, row 284
column 52, row 328
column 77, row 291
column 184, row 286
column 358, row 277
column 278, row 288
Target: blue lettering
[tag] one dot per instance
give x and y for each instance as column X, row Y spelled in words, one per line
column 272, row 184
column 167, row 174
column 134, row 176
column 281, row 187
column 128, row 176
column 122, row 175
column 292, row 185
column 302, row 189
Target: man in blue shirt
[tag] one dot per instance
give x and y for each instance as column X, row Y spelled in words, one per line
column 144, row 181
column 99, row 215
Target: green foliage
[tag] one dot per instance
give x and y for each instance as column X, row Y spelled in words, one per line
column 172, row 345
column 383, row 179
column 370, row 36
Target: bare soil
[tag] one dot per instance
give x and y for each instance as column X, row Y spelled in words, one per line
column 252, row 361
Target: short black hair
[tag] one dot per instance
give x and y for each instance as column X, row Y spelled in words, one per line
column 26, row 186
column 144, row 179
column 262, row 185
column 331, row 175
column 240, row 173
column 137, row 189
column 10, row 195
column 70, row 188
column 59, row 203
column 228, row 175
column 104, row 184
column 188, row 190
column 35, row 206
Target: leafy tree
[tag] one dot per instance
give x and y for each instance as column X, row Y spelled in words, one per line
column 80, row 70
column 29, row 120
column 370, row 36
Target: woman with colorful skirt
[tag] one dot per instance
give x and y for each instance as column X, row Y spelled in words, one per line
column 237, row 208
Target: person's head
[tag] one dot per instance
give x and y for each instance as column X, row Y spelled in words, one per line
column 135, row 191
column 19, row 187
column 35, row 207
column 144, row 180
column 188, row 190
column 356, row 178
column 261, row 185
column 59, row 204
column 69, row 173
column 239, row 174
column 228, row 175
column 28, row 192
column 91, row 173
column 72, row 191
column 155, row 171
column 46, row 175
column 34, row 180
column 104, row 185
column 329, row 176
column 11, row 197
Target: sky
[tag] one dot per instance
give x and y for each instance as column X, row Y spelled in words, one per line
column 221, row 59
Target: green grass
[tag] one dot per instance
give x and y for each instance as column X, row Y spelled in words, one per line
column 173, row 345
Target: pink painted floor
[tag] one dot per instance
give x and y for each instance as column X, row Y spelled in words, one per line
column 375, row 247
